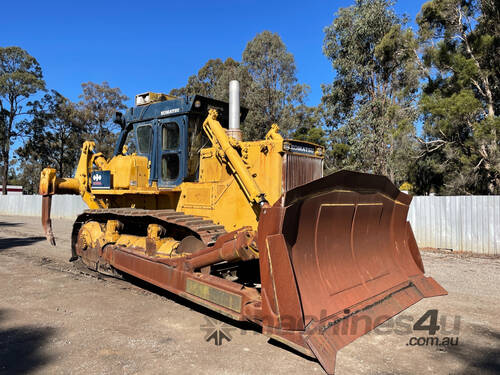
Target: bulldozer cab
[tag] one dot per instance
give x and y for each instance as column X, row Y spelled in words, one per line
column 170, row 134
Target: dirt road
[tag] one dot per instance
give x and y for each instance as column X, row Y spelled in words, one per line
column 56, row 319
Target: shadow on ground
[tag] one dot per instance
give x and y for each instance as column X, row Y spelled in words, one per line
column 484, row 360
column 9, row 242
column 21, row 348
column 6, row 224
column 244, row 327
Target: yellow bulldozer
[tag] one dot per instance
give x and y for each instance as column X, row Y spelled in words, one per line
column 251, row 230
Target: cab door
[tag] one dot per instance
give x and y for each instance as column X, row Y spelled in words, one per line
column 172, row 151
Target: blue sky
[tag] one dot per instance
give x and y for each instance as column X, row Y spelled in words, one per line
column 156, row 45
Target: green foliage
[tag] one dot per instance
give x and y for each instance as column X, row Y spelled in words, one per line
column 370, row 105
column 53, row 138
column 20, row 77
column 54, row 129
column 213, row 79
column 386, row 79
column 460, row 101
column 276, row 93
column 97, row 105
column 307, row 129
column 20, row 74
column 268, row 86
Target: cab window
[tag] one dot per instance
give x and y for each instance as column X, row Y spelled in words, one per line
column 144, row 136
column 169, row 167
column 197, row 140
column 170, row 136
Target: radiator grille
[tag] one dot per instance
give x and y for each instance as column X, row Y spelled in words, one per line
column 300, row 169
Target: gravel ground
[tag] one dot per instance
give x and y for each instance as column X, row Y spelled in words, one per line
column 59, row 319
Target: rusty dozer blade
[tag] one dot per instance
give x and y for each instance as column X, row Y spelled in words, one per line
column 46, row 221
column 339, row 252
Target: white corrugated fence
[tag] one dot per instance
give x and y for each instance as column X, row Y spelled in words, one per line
column 63, row 206
column 460, row 223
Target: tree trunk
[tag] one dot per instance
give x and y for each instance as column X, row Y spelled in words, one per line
column 5, row 173
column 489, row 97
column 6, row 146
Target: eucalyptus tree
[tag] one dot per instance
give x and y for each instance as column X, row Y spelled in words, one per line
column 370, row 106
column 52, row 138
column 20, row 78
column 268, row 86
column 98, row 104
column 460, row 102
column 276, row 93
